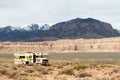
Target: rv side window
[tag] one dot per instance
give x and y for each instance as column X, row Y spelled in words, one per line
column 22, row 56
column 39, row 56
column 45, row 60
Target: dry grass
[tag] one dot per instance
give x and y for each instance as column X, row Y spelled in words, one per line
column 84, row 74
column 67, row 71
column 62, row 68
column 78, row 67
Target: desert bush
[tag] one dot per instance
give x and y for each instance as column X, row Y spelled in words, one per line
column 116, row 77
column 22, row 78
column 60, row 78
column 37, row 75
column 103, row 65
column 78, row 67
column 13, row 75
column 29, row 70
column 23, row 74
column 43, row 72
column 104, row 78
column 66, row 63
column 50, row 69
column 59, row 66
column 68, row 71
column 3, row 71
column 85, row 78
column 93, row 65
column 41, row 69
column 38, row 68
column 14, row 67
column 84, row 74
column 10, row 73
column 115, row 70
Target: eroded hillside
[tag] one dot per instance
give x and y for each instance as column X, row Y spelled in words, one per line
column 66, row 45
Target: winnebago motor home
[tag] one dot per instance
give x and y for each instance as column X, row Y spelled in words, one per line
column 30, row 58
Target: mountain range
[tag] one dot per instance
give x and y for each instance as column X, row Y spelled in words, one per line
column 88, row 28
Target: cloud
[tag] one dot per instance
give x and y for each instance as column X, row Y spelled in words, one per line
column 19, row 12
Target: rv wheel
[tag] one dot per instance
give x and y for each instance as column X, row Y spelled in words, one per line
column 27, row 62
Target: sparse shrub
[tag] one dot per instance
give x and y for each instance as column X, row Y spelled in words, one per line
column 3, row 71
column 67, row 71
column 29, row 70
column 50, row 69
column 40, row 69
column 64, row 78
column 78, row 67
column 66, row 63
column 85, row 78
column 103, row 65
column 14, row 67
column 60, row 78
column 37, row 75
column 93, row 65
column 104, row 78
column 84, row 74
column 116, row 77
column 115, row 70
column 43, row 72
column 22, row 78
column 23, row 74
column 5, row 65
column 59, row 66
column 14, row 75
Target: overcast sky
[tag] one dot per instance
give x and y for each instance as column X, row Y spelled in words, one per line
column 20, row 12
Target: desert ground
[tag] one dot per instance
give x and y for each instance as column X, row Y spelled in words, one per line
column 64, row 66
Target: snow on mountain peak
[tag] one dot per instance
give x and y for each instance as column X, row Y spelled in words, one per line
column 35, row 27
column 27, row 27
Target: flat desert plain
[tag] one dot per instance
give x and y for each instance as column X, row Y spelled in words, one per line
column 64, row 66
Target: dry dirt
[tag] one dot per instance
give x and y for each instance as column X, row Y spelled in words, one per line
column 58, row 71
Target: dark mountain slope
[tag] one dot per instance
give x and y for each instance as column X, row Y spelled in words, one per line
column 76, row 28
column 84, row 28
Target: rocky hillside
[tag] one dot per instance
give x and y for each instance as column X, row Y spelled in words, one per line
column 84, row 28
column 73, row 29
column 67, row 45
